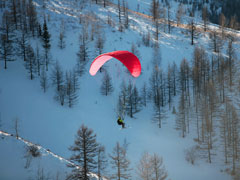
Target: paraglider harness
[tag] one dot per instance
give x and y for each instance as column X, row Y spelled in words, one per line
column 121, row 122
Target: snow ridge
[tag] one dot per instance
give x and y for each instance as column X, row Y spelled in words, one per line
column 49, row 152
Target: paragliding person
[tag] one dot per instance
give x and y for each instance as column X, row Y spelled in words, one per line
column 121, row 122
column 128, row 59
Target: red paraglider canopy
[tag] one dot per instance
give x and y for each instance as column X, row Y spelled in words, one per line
column 127, row 58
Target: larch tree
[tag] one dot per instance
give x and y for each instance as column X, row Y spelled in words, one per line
column 192, row 30
column 22, row 45
column 144, row 167
column 85, row 150
column 106, row 86
column 205, row 15
column 43, row 79
column 159, row 171
column 129, row 105
column 6, row 50
column 31, row 64
column 120, row 23
column 57, row 76
column 133, row 100
column 83, row 54
column 144, row 94
column 154, row 9
column 46, row 44
column 222, row 23
column 71, row 91
column 136, row 100
column 169, row 18
column 61, row 42
column 99, row 44
column 58, row 82
column 179, row 14
column 101, row 161
column 32, row 17
column 151, row 167
column 120, row 163
column 231, row 61
column 38, row 60
column 181, row 119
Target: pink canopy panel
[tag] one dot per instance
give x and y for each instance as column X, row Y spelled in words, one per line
column 127, row 58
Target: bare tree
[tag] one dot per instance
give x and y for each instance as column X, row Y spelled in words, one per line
column 71, row 86
column 120, row 163
column 57, row 76
column 44, row 79
column 205, row 17
column 120, row 26
column 159, row 171
column 144, row 167
column 58, row 82
column 179, row 14
column 222, row 23
column 61, row 42
column 82, row 54
column 38, row 60
column 181, row 120
column 216, row 42
column 23, row 45
column 169, row 18
column 192, row 31
column 231, row 61
column 144, row 93
column 154, row 9
column 5, row 50
column 106, row 87
column 101, row 161
column 191, row 155
column 150, row 167
column 31, row 64
column 99, row 44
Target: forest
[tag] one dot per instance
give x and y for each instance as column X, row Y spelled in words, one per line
column 203, row 92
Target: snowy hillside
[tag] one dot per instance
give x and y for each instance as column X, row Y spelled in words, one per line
column 43, row 121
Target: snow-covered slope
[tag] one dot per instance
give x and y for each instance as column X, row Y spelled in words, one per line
column 43, row 121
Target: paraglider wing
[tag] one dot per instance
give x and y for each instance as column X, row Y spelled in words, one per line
column 127, row 58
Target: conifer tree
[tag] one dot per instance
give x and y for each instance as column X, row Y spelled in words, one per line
column 85, row 150
column 46, row 43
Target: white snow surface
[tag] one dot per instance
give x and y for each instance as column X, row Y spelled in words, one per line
column 43, row 121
